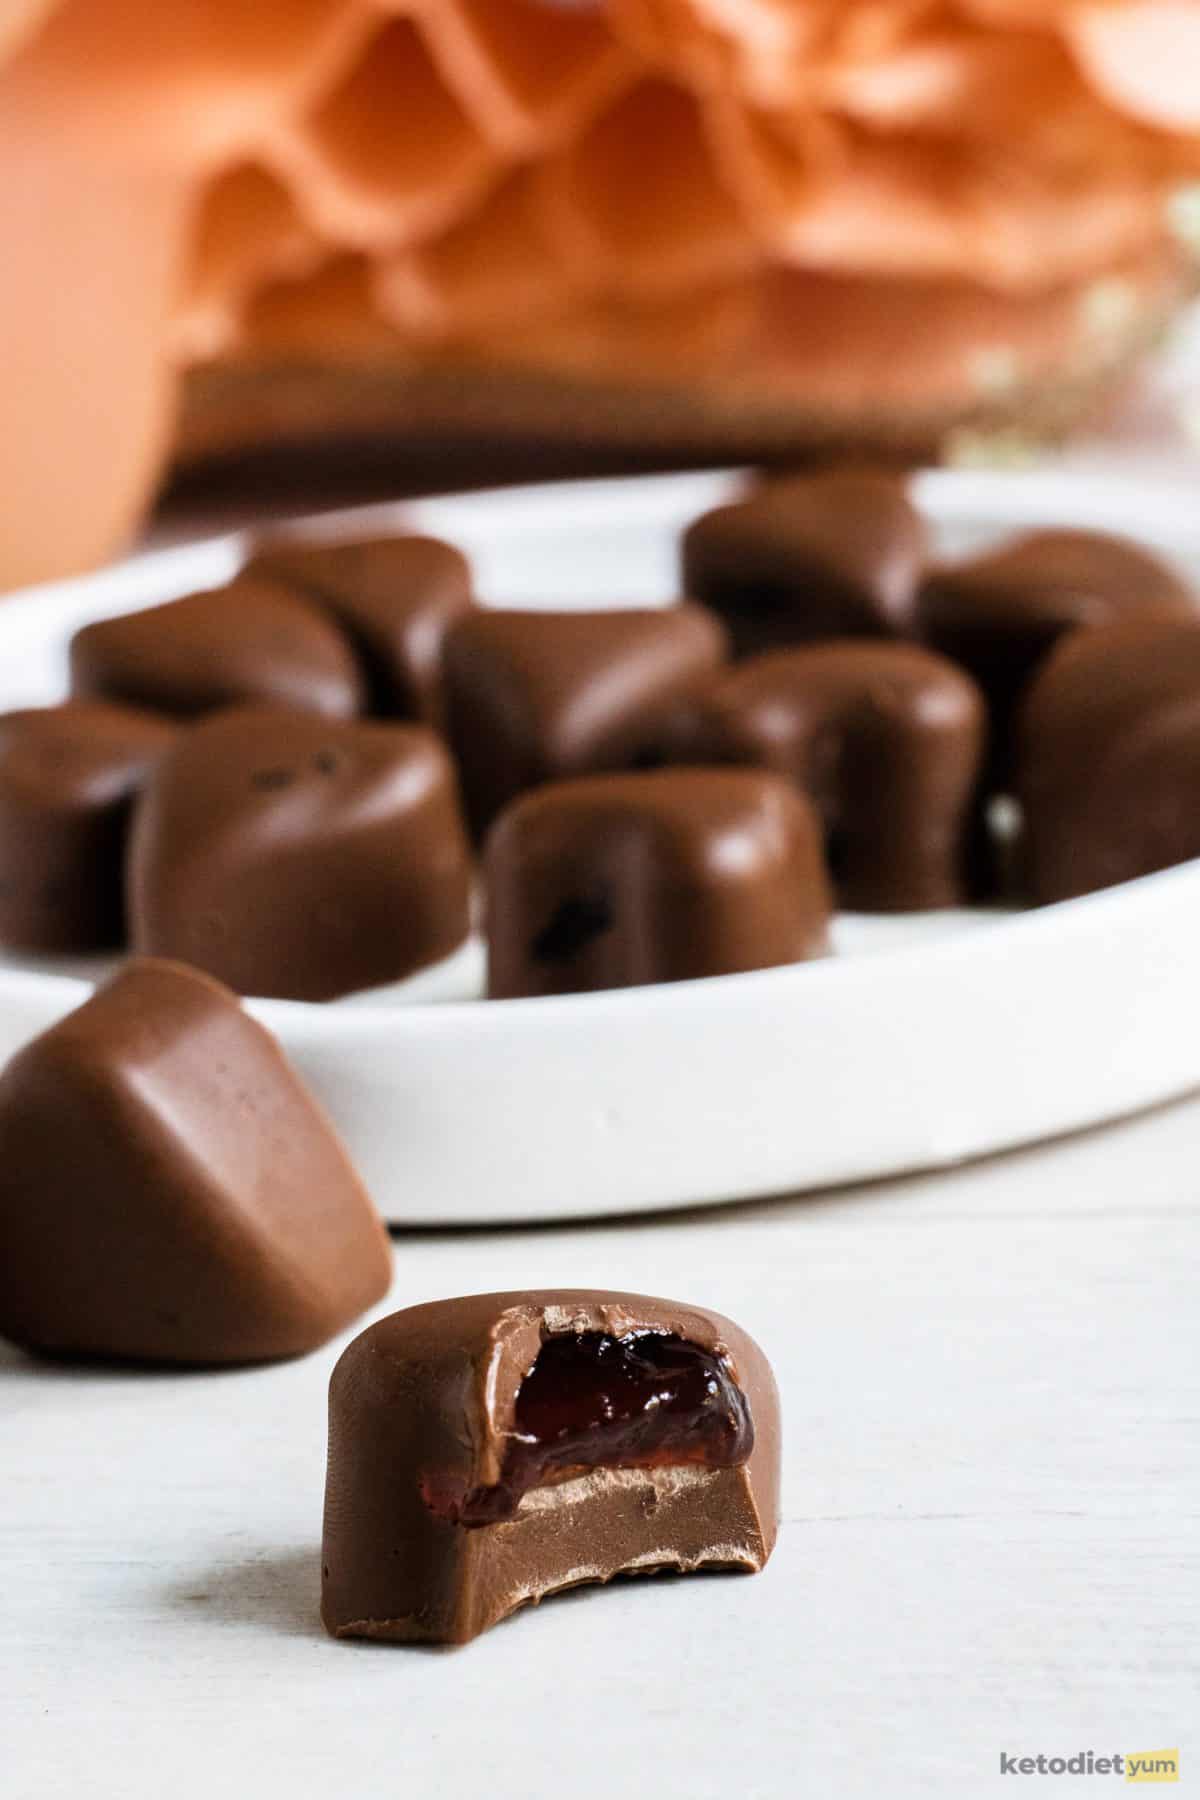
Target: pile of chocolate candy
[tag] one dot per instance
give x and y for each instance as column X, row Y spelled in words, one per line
column 284, row 782
column 263, row 784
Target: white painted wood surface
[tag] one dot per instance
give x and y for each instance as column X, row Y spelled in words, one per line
column 992, row 1385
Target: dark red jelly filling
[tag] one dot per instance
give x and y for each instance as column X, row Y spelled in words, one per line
column 590, row 1401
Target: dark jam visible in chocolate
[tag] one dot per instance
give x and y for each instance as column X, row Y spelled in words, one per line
column 590, row 1401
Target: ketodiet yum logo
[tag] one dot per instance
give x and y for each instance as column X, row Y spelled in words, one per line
column 1129, row 1765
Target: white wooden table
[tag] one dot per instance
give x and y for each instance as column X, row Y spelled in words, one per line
column 991, row 1382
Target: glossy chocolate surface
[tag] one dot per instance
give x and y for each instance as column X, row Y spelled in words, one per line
column 536, row 697
column 426, row 1412
column 837, row 554
column 68, row 779
column 255, row 640
column 300, row 857
column 668, row 875
column 1108, row 758
column 888, row 739
column 395, row 598
column 169, row 1191
column 999, row 615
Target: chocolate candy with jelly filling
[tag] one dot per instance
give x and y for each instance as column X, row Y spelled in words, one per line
column 618, row 880
column 300, row 857
column 536, row 697
column 1108, row 758
column 68, row 778
column 255, row 640
column 395, row 598
column 837, row 554
column 169, row 1190
column 887, row 738
column 489, row 1451
column 1000, row 614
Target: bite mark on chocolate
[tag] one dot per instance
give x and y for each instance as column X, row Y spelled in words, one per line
column 425, row 1407
column 646, row 1400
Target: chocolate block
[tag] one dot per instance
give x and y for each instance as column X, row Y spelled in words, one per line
column 253, row 640
column 395, row 598
column 887, row 738
column 295, row 856
column 1108, row 762
column 539, row 696
column 169, row 1191
column 617, row 880
column 487, row 1452
column 832, row 555
column 68, row 777
column 1000, row 614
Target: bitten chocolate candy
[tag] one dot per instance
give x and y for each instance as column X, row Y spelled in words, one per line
column 68, row 777
column 169, row 1191
column 486, row 1452
column 1000, row 614
column 253, row 640
column 539, row 696
column 617, row 880
column 395, row 598
column 838, row 554
column 887, row 738
column 1108, row 764
column 293, row 856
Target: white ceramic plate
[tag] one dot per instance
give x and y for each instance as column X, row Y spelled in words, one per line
column 925, row 1041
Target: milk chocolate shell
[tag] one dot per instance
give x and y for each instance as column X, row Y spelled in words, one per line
column 889, row 741
column 539, row 696
column 169, row 1191
column 817, row 556
column 253, row 640
column 1108, row 761
column 616, row 880
column 68, row 778
column 489, row 1451
column 1000, row 614
column 395, row 598
column 298, row 857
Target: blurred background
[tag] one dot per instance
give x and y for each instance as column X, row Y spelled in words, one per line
column 260, row 255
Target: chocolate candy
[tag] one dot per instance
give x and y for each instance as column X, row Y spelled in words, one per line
column 395, row 598
column 538, row 696
column 837, row 554
column 487, row 1452
column 252, row 640
column 169, row 1191
column 617, row 880
column 298, row 857
column 1108, row 766
column 1000, row 614
column 887, row 738
column 68, row 777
